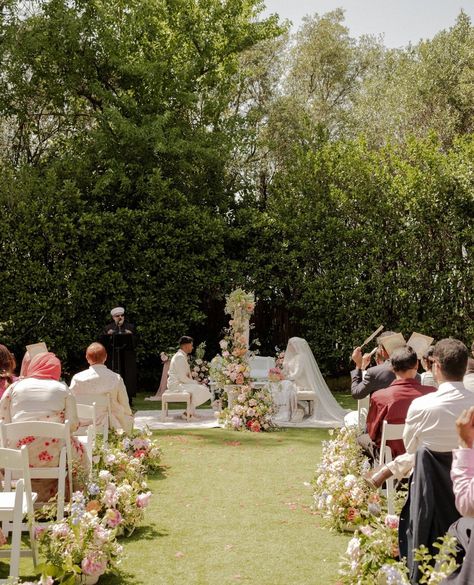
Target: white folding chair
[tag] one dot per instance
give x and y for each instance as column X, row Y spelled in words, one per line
column 102, row 405
column 389, row 433
column 15, row 506
column 87, row 433
column 11, row 433
column 362, row 410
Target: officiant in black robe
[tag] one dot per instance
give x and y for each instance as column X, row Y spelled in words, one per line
column 120, row 339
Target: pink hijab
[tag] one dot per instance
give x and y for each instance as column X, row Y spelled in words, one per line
column 45, row 366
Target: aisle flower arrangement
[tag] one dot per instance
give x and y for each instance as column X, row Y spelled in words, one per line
column 81, row 544
column 140, row 445
column 344, row 499
column 372, row 557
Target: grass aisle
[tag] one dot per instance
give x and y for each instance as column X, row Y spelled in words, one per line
column 233, row 509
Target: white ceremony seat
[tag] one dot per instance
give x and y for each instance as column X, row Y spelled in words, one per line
column 362, row 410
column 87, row 434
column 389, row 433
column 309, row 396
column 169, row 397
column 11, row 433
column 102, row 406
column 259, row 367
column 15, row 506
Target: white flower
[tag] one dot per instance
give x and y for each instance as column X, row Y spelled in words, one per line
column 353, row 548
column 349, row 481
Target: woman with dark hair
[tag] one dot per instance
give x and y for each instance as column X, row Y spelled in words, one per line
column 7, row 368
column 40, row 396
column 427, row 377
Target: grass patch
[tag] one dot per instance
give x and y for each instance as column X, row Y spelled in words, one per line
column 232, row 508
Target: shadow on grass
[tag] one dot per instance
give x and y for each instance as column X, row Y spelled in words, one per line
column 228, row 438
column 149, row 532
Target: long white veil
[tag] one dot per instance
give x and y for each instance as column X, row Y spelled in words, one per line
column 300, row 363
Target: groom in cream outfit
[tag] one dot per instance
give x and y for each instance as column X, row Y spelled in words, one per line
column 181, row 380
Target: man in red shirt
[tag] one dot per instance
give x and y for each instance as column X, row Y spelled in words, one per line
column 391, row 404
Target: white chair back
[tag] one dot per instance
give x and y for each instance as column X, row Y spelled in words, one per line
column 11, row 433
column 390, row 432
column 259, row 366
column 362, row 410
column 14, row 506
column 102, row 405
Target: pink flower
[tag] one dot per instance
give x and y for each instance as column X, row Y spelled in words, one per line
column 391, row 520
column 235, row 421
column 240, row 379
column 93, row 566
column 225, row 354
column 143, row 500
column 113, row 517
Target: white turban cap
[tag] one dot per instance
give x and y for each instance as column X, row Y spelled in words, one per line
column 117, row 311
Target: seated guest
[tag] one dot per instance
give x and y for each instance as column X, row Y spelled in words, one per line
column 7, row 369
column 469, row 376
column 462, row 474
column 181, row 380
column 98, row 379
column 430, row 420
column 376, row 378
column 40, row 396
column 427, row 377
column 391, row 404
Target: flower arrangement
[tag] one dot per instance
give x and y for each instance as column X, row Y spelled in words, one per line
column 342, row 496
column 240, row 301
column 138, row 444
column 80, row 544
column 275, row 375
column 252, row 411
column 199, row 366
column 279, row 358
column 120, row 505
column 372, row 555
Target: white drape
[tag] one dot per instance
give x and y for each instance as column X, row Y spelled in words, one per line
column 302, row 369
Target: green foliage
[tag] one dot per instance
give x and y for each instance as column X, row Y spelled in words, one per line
column 160, row 153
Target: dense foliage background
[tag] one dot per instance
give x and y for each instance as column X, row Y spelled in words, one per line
column 158, row 153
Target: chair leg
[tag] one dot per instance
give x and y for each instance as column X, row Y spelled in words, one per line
column 16, row 534
column 164, row 409
column 61, row 486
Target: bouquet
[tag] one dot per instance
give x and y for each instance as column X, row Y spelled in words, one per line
column 275, row 375
column 79, row 544
column 253, row 411
column 341, row 494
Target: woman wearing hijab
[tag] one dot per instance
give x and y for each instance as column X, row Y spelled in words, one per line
column 40, row 396
column 7, row 369
column 302, row 372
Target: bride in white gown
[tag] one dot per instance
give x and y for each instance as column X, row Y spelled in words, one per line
column 302, row 373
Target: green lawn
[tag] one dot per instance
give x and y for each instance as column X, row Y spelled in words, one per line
column 233, row 508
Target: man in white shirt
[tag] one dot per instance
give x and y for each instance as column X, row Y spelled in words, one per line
column 181, row 380
column 98, row 379
column 431, row 419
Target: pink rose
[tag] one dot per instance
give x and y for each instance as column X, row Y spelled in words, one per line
column 239, row 379
column 391, row 520
column 93, row 566
column 113, row 517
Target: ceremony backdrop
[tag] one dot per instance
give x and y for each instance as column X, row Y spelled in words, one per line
column 157, row 154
